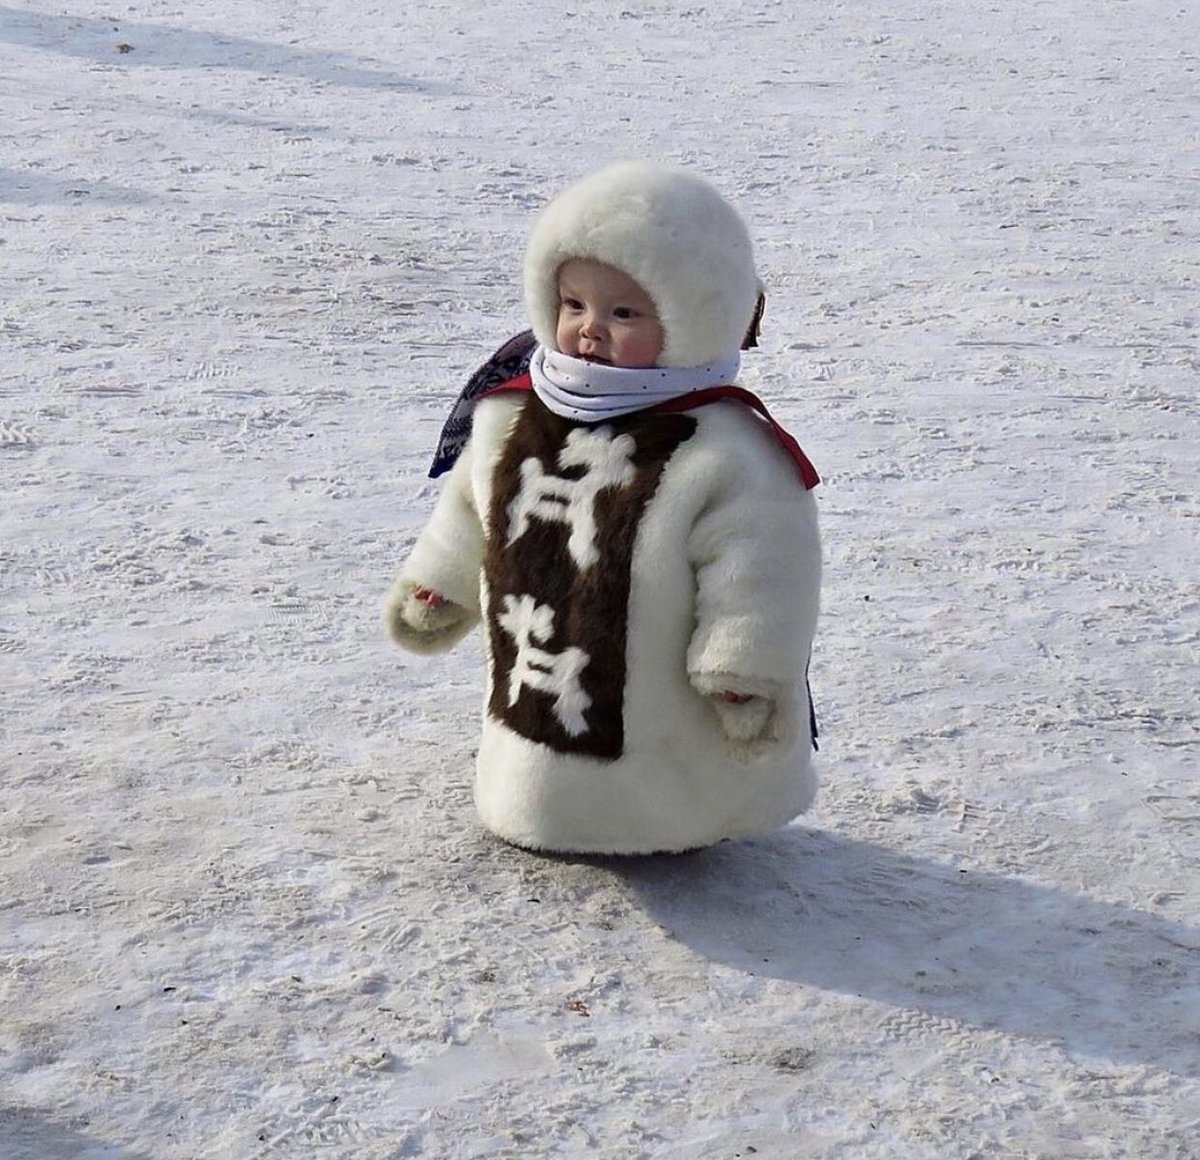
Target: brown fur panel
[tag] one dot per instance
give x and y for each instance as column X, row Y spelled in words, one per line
column 590, row 604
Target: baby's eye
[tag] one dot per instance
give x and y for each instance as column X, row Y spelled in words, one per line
column 625, row 313
column 571, row 303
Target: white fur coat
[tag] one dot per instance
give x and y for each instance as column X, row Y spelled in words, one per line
column 600, row 731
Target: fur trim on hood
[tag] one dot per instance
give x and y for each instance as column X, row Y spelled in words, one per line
column 669, row 231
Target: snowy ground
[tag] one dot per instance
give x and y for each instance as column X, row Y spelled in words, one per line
column 248, row 252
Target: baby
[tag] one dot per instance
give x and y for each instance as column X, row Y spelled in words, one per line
column 638, row 536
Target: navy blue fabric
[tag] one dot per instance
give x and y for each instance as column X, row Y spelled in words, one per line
column 510, row 360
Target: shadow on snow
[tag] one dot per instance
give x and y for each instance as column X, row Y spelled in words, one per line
column 161, row 46
column 31, row 1134
column 1102, row 980
column 28, row 187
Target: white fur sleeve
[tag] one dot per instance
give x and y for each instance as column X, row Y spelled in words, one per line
column 446, row 558
column 756, row 554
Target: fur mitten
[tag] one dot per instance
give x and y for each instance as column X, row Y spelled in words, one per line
column 745, row 720
column 421, row 626
column 751, row 727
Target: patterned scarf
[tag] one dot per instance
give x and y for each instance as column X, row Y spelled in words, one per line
column 510, row 361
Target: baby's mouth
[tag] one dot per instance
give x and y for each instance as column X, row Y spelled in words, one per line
column 595, row 358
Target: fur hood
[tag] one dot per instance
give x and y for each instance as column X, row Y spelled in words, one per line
column 673, row 234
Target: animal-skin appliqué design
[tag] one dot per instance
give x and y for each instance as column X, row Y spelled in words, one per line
column 563, row 521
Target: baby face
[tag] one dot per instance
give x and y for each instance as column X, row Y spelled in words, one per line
column 604, row 316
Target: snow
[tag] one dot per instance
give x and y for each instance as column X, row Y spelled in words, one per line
column 245, row 264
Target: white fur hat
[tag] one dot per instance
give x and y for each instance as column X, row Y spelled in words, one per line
column 673, row 234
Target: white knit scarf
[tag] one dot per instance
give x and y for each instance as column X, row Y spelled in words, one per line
column 590, row 392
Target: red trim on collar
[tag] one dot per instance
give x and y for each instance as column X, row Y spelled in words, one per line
column 808, row 473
